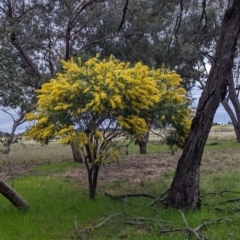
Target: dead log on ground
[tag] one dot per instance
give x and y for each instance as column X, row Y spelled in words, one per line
column 14, row 197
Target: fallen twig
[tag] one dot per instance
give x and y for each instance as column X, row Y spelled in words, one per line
column 219, row 193
column 193, row 231
column 231, row 200
column 134, row 223
column 144, row 219
column 127, row 195
column 77, row 230
column 106, row 220
column 159, row 199
column 209, row 222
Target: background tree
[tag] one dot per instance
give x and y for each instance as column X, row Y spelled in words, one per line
column 35, row 35
column 184, row 191
column 171, row 116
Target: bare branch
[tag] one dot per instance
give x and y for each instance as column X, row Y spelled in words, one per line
column 159, row 199
column 109, row 37
column 124, row 14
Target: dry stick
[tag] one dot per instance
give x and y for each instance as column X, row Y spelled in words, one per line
column 219, row 193
column 134, row 223
column 128, row 195
column 159, row 199
column 190, row 229
column 106, row 220
column 89, row 229
column 209, row 222
column 204, row 224
column 231, row 200
column 76, row 227
column 148, row 219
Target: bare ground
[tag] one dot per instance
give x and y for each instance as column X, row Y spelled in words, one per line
column 132, row 169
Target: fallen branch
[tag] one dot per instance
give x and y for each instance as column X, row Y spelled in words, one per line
column 144, row 219
column 89, row 229
column 134, row 223
column 77, row 230
column 127, row 195
column 208, row 222
column 219, row 193
column 193, row 231
column 159, row 199
column 231, row 200
column 106, row 220
column 12, row 195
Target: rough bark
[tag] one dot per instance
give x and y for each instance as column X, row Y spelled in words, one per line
column 184, row 191
column 76, row 154
column 15, row 198
column 142, row 143
column 92, row 180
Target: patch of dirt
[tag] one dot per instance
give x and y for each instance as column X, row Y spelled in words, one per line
column 133, row 169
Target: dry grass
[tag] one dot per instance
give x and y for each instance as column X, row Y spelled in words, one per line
column 133, row 168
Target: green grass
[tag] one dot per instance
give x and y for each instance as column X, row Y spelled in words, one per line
column 214, row 144
column 59, row 204
column 55, row 203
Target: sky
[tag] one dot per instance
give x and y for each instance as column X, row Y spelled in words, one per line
column 6, row 121
column 221, row 115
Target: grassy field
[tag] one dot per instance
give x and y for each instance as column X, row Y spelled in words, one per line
column 56, row 190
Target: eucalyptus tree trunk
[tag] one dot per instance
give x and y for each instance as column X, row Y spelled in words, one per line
column 233, row 96
column 184, row 191
column 15, row 198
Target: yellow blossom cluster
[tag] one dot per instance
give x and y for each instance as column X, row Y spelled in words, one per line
column 83, row 96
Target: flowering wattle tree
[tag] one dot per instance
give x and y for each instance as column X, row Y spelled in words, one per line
column 90, row 104
column 171, row 115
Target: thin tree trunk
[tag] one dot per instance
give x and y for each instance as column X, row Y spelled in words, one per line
column 143, row 143
column 235, row 122
column 236, row 105
column 76, row 154
column 92, row 180
column 15, row 198
column 184, row 191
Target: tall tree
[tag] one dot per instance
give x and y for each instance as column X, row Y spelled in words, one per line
column 34, row 35
column 184, row 191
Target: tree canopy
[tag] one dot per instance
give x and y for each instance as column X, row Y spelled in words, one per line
column 90, row 104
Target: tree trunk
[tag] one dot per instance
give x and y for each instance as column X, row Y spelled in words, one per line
column 16, row 199
column 236, row 105
column 76, row 154
column 235, row 122
column 92, row 180
column 184, row 191
column 143, row 143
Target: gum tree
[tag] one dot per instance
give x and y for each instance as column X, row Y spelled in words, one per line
column 185, row 188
